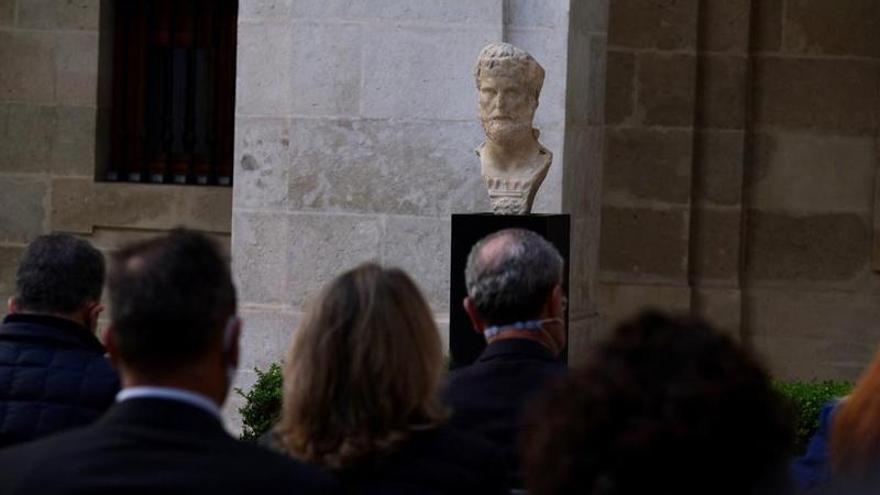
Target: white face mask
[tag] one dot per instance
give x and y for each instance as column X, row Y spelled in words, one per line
column 228, row 341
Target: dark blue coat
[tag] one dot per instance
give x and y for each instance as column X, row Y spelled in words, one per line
column 53, row 376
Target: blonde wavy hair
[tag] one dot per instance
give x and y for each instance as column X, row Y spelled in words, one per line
column 363, row 371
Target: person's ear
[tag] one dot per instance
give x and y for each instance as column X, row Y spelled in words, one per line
column 554, row 306
column 12, row 305
column 476, row 320
column 111, row 346
column 231, row 338
column 93, row 313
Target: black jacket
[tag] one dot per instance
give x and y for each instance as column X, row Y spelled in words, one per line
column 152, row 446
column 53, row 376
column 433, row 462
column 488, row 397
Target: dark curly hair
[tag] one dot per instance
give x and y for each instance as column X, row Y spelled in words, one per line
column 665, row 405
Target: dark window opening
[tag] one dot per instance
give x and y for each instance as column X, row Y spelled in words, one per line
column 167, row 102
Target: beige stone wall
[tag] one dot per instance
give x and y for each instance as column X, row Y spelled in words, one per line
column 48, row 104
column 740, row 165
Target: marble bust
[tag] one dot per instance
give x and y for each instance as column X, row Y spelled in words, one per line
column 512, row 161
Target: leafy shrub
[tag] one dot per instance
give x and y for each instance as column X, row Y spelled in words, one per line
column 807, row 399
column 263, row 403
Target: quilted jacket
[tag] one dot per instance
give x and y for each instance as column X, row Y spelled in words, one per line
column 53, row 376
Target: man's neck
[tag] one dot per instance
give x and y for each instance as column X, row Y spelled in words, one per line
column 510, row 158
column 540, row 337
column 193, row 382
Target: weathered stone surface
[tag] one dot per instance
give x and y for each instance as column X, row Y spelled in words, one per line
column 768, row 37
column 666, row 89
column 77, row 68
column 409, row 78
column 73, row 142
column 263, row 74
column 582, row 171
column 830, row 94
column 73, row 205
column 413, row 168
column 7, row 12
column 28, row 61
column 528, row 13
column 661, row 24
column 550, row 48
column 26, row 137
column 814, row 334
column 621, row 302
column 581, row 338
column 265, row 335
column 620, row 88
column 59, row 14
column 722, row 307
column 647, row 165
column 259, row 257
column 588, row 16
column 137, row 205
column 810, row 173
column 717, row 243
column 444, row 11
column 726, row 27
column 583, row 267
column 326, row 81
column 264, row 9
column 9, row 256
column 831, row 247
column 321, row 247
column 22, row 208
column 208, row 208
column 720, row 167
column 262, row 159
column 723, row 91
column 642, row 244
column 820, row 27
column 421, row 247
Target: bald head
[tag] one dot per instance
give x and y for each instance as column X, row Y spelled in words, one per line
column 510, row 274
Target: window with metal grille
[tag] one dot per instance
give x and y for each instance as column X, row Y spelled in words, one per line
column 167, row 91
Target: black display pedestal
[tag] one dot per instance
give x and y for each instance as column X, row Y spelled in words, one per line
column 465, row 344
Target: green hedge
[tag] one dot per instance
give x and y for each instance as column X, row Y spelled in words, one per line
column 263, row 403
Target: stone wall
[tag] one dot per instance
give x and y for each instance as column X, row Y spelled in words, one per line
column 740, row 163
column 355, row 135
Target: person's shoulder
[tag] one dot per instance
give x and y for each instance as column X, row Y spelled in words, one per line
column 282, row 471
column 458, row 447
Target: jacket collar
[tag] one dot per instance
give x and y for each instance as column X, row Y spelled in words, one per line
column 48, row 329
column 516, row 347
column 164, row 414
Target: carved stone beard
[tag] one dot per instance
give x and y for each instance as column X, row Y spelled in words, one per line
column 508, row 132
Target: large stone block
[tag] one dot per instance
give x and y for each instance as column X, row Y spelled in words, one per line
column 264, row 69
column 666, row 92
column 722, row 307
column 716, row 246
column 259, row 257
column 22, row 207
column 435, row 11
column 588, row 15
column 77, row 68
column 720, row 156
column 407, row 77
column 7, row 13
column 9, row 258
column 582, row 176
column 204, row 208
column 644, row 245
column 143, row 206
column 531, row 14
column 660, row 24
column 828, row 94
column 321, row 247
column 621, row 302
column 581, row 339
column 73, row 205
column 73, row 141
column 769, row 17
column 410, row 168
column 723, row 88
column 28, row 61
column 264, row 9
column 59, row 14
column 814, row 334
column 27, row 134
column 821, row 247
column 828, row 28
column 421, row 247
column 326, row 74
column 262, row 160
column 265, row 335
column 802, row 173
column 647, row 165
column 620, row 88
column 725, row 26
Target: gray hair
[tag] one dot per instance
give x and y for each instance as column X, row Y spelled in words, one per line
column 510, row 273
column 497, row 55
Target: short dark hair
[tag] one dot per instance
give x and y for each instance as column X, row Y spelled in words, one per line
column 59, row 273
column 511, row 283
column 170, row 298
column 666, row 405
